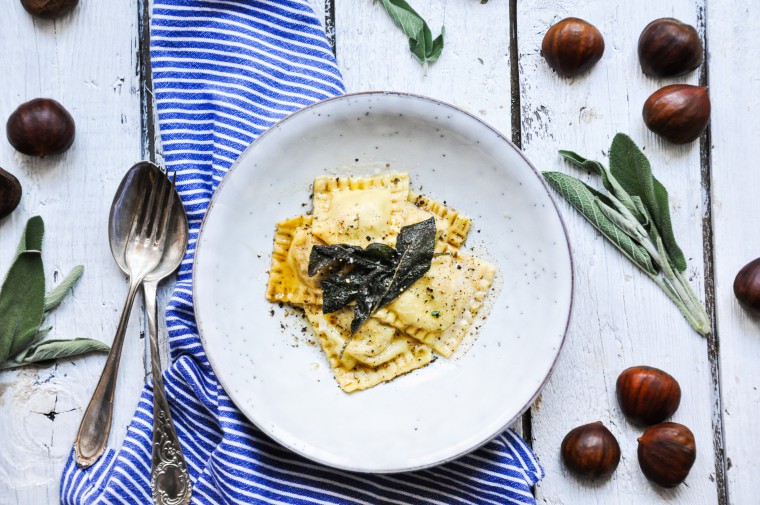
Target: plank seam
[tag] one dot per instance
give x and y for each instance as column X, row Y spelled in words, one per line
column 514, row 68
column 516, row 122
column 708, row 252
column 330, row 24
column 147, row 122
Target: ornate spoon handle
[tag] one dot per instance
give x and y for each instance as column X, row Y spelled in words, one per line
column 169, row 479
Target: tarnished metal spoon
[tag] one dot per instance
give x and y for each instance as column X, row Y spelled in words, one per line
column 170, row 481
column 147, row 214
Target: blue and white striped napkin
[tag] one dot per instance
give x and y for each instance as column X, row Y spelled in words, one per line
column 223, row 72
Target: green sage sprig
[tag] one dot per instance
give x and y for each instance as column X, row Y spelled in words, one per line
column 24, row 305
column 421, row 43
column 634, row 216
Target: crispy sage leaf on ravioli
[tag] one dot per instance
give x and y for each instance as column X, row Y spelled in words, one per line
column 374, row 276
column 415, row 246
column 324, row 257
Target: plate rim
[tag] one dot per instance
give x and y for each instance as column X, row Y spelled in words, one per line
column 436, row 101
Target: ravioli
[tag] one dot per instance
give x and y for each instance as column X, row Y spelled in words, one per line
column 377, row 353
column 433, row 314
column 289, row 279
column 359, row 211
column 439, row 308
column 451, row 227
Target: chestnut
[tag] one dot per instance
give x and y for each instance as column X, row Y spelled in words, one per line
column 678, row 112
column 666, row 453
column 10, row 193
column 49, row 9
column 591, row 451
column 747, row 285
column 572, row 46
column 668, row 47
column 647, row 395
column 41, row 127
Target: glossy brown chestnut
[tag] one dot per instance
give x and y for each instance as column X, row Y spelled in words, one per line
column 41, row 127
column 747, row 285
column 49, row 9
column 572, row 46
column 666, row 453
column 591, row 451
column 10, row 193
column 647, row 395
column 679, row 112
column 668, row 47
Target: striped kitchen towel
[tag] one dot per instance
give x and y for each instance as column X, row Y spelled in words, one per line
column 223, row 72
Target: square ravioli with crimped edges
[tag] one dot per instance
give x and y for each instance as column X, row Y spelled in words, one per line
column 451, row 226
column 359, row 210
column 289, row 279
column 377, row 353
column 434, row 314
column 440, row 308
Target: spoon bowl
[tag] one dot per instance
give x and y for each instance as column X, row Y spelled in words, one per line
column 128, row 197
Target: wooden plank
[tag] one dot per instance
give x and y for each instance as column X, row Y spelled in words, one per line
column 473, row 71
column 373, row 54
column 735, row 186
column 88, row 62
column 620, row 317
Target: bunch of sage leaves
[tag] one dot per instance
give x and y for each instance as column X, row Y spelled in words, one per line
column 421, row 43
column 24, row 305
column 634, row 216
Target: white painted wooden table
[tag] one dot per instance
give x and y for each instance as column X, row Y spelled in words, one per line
column 93, row 61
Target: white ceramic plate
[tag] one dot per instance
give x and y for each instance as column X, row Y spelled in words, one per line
column 266, row 357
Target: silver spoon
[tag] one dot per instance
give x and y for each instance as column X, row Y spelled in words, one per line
column 143, row 207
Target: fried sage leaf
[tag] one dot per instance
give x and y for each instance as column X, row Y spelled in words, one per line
column 327, row 257
column 374, row 276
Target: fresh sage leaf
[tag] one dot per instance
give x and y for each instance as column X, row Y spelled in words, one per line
column 41, row 334
column 629, row 228
column 636, row 212
column 31, row 237
column 23, row 305
column 55, row 349
column 374, row 276
column 22, row 301
column 421, row 43
column 631, row 168
column 608, row 180
column 56, row 296
column 582, row 198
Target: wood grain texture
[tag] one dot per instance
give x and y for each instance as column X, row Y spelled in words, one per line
column 473, row 71
column 734, row 86
column 88, row 62
column 620, row 318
